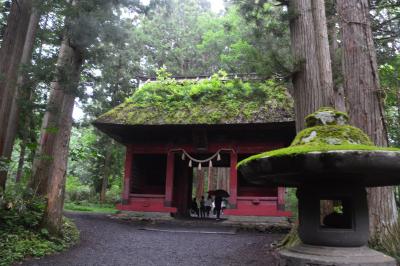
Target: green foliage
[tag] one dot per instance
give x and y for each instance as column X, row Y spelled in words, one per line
column 76, row 191
column 188, row 39
column 20, row 207
column 292, row 202
column 87, row 166
column 17, row 243
column 389, row 74
column 20, row 233
column 203, row 102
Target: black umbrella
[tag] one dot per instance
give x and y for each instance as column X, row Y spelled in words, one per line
column 219, row 193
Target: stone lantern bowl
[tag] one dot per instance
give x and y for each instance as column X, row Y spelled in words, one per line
column 329, row 161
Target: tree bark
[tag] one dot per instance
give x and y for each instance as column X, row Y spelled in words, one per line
column 49, row 170
column 23, row 95
column 323, row 53
column 106, row 173
column 11, row 52
column 363, row 98
column 308, row 95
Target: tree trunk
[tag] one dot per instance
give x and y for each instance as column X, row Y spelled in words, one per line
column 21, row 161
column 11, row 52
column 363, row 98
column 312, row 81
column 323, row 53
column 308, row 95
column 106, row 173
column 49, row 170
column 23, row 94
column 336, row 61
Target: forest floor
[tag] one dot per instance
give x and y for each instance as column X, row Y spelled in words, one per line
column 106, row 241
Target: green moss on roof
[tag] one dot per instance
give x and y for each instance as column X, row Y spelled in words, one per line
column 330, row 134
column 213, row 101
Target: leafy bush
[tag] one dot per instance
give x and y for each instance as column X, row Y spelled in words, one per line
column 113, row 195
column 17, row 243
column 76, row 191
column 20, row 233
column 19, row 207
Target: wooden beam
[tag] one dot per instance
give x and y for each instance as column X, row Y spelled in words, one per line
column 281, row 198
column 233, row 182
column 169, row 182
column 127, row 175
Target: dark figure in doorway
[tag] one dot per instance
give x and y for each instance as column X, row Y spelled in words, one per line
column 193, row 208
column 218, row 202
column 202, row 208
column 208, row 204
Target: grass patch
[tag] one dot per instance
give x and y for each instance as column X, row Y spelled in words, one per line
column 90, row 207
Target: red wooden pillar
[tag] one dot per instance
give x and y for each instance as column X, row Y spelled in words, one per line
column 233, row 182
column 169, row 182
column 127, row 174
column 281, row 198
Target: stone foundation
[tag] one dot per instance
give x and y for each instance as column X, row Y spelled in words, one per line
column 307, row 255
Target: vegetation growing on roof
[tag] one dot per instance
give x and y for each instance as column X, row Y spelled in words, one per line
column 210, row 101
column 330, row 134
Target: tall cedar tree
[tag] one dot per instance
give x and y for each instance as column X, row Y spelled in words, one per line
column 49, row 169
column 14, row 46
column 50, row 166
column 364, row 99
column 311, row 56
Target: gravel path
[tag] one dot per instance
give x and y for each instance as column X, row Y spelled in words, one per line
column 110, row 242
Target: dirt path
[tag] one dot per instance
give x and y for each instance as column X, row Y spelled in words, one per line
column 109, row 242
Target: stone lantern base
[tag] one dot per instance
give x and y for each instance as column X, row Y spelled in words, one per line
column 308, row 255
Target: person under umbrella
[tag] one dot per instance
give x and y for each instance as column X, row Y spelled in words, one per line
column 218, row 203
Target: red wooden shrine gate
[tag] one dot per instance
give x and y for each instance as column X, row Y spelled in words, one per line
column 157, row 180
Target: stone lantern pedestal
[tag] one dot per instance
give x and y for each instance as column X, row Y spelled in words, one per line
column 329, row 162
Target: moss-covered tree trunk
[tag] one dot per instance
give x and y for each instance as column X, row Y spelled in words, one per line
column 363, row 98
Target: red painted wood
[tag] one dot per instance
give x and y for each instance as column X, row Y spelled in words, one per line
column 146, row 203
column 127, row 174
column 169, row 182
column 257, row 206
column 281, row 198
column 241, row 147
column 233, row 183
column 264, row 204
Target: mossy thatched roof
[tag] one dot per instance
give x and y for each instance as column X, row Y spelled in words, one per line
column 209, row 101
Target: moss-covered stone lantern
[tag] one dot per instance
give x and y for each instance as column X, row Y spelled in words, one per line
column 331, row 163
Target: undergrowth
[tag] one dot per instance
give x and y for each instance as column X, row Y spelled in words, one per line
column 20, row 233
column 389, row 242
